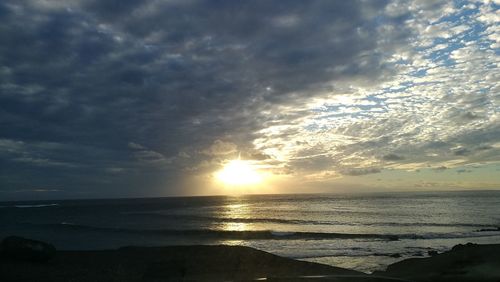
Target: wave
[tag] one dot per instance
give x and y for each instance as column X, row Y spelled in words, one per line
column 233, row 219
column 226, row 234
column 301, row 222
column 451, row 235
column 269, row 234
column 31, row 206
column 432, row 224
column 491, row 229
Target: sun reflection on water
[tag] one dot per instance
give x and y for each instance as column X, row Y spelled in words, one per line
column 235, row 226
column 232, row 213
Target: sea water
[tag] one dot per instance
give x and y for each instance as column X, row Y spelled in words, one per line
column 365, row 232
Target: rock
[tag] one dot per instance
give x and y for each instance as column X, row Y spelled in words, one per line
column 432, row 253
column 462, row 247
column 26, row 250
column 468, row 262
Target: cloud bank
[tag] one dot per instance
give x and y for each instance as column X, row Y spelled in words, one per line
column 119, row 98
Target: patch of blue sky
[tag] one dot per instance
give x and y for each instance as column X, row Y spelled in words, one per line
column 462, row 14
column 443, row 59
column 366, row 104
column 442, row 56
column 371, row 108
column 312, row 127
column 483, row 40
column 323, row 125
column 380, row 101
column 395, row 89
column 417, row 73
column 484, row 90
column 474, row 33
column 461, row 3
column 400, row 88
column 326, row 108
column 351, row 116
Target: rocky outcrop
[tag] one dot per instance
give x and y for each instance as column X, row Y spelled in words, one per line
column 469, row 262
column 19, row 248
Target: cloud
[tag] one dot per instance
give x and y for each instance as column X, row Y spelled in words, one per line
column 220, row 148
column 152, row 89
column 43, row 162
column 440, row 168
column 470, row 116
column 135, row 146
column 173, row 75
column 461, row 152
column 361, row 171
column 45, row 154
column 392, row 157
column 441, row 99
column 147, row 156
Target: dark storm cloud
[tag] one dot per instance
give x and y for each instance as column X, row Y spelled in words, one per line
column 171, row 77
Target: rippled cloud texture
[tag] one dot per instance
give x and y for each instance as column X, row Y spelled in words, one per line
column 145, row 98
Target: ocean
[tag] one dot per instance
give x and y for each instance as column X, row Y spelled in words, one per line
column 365, row 232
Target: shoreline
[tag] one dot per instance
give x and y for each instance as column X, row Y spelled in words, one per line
column 468, row 262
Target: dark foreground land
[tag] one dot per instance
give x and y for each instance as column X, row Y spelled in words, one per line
column 235, row 263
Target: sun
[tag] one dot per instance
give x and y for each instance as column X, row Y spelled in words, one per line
column 239, row 173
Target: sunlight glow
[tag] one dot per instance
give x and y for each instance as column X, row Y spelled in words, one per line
column 239, row 172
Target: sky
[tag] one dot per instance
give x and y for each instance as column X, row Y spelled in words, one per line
column 125, row 98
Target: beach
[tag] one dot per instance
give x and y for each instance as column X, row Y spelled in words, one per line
column 236, row 263
column 364, row 232
column 434, row 236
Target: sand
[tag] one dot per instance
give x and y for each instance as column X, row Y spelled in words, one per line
column 237, row 263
